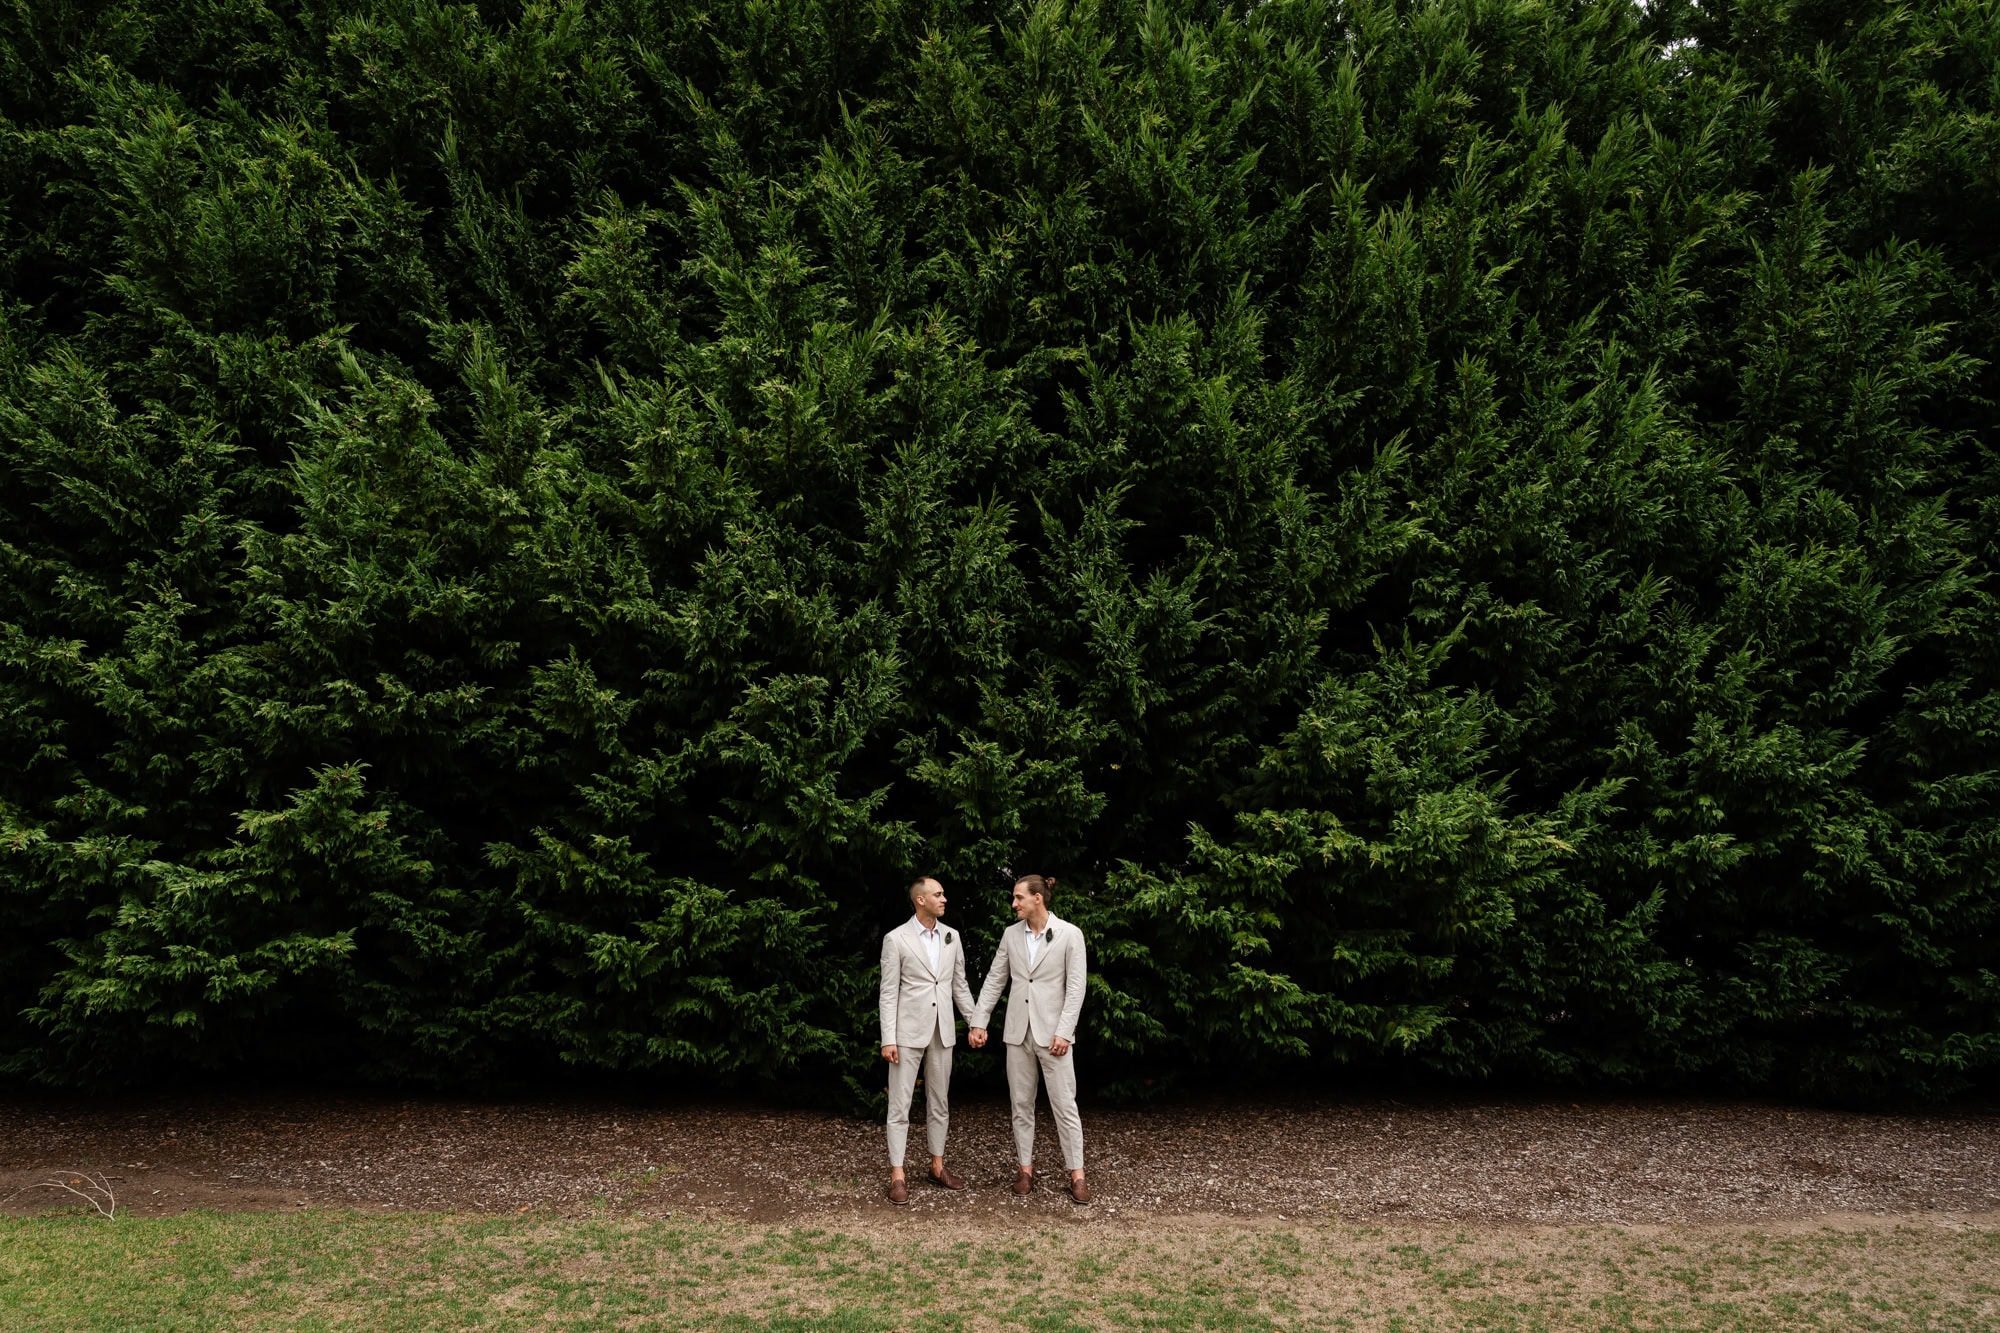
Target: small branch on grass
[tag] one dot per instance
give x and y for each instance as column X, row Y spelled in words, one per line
column 84, row 1185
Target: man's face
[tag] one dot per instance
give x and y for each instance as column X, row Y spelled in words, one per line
column 930, row 898
column 1024, row 902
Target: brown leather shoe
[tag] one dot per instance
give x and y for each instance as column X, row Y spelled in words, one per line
column 1079, row 1191
column 899, row 1191
column 944, row 1179
column 1024, row 1180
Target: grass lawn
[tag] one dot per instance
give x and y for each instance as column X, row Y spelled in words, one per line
column 326, row 1270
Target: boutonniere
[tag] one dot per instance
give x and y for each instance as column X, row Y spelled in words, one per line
column 947, row 937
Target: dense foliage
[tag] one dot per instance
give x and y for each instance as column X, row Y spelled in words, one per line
column 1464, row 531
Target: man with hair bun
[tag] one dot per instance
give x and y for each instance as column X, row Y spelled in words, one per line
column 923, row 975
column 1044, row 959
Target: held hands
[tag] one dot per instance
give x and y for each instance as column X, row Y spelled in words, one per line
column 976, row 1037
column 892, row 1055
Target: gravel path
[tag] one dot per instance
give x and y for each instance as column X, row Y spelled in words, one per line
column 1463, row 1160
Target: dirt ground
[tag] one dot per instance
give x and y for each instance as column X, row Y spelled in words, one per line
column 1472, row 1161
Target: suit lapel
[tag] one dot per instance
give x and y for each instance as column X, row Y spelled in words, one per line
column 913, row 939
column 1042, row 951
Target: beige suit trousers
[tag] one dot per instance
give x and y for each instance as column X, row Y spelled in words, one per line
column 933, row 1064
column 1027, row 1066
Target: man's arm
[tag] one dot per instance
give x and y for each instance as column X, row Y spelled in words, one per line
column 996, row 985
column 1074, row 974
column 961, row 992
column 892, row 986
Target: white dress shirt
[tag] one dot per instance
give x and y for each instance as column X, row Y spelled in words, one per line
column 1035, row 938
column 930, row 937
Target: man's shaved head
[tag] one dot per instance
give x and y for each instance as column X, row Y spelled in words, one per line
column 927, row 897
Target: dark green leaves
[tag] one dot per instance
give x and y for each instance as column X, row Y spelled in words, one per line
column 1462, row 532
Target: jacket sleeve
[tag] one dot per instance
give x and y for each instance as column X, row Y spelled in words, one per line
column 892, row 986
column 1075, row 972
column 961, row 991
column 996, row 985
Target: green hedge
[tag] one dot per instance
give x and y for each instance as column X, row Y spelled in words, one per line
column 1463, row 531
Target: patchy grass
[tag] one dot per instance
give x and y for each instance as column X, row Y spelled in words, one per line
column 430, row 1271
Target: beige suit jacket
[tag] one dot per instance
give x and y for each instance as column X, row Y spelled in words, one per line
column 917, row 1000
column 1047, row 998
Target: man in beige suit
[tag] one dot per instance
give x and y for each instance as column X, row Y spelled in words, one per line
column 923, row 974
column 1044, row 958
